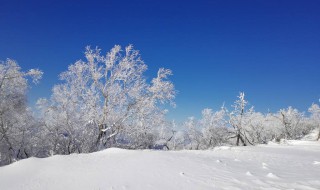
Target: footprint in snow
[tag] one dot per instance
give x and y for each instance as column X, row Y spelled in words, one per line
column 316, row 162
column 248, row 173
column 219, row 161
column 182, row 173
column 264, row 165
column 272, row 176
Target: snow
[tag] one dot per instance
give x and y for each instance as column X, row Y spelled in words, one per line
column 294, row 165
column 313, row 135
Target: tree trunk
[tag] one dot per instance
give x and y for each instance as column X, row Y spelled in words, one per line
column 242, row 140
column 238, row 139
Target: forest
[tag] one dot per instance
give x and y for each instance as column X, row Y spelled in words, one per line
column 106, row 101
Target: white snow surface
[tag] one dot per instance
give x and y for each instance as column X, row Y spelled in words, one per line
column 294, row 165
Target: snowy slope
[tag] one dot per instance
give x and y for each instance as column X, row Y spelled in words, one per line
column 294, row 165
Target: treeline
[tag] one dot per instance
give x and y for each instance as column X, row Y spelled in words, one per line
column 106, row 101
column 242, row 126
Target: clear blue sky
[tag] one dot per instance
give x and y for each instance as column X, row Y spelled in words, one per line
column 269, row 49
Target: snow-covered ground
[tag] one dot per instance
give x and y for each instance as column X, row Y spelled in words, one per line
column 293, row 165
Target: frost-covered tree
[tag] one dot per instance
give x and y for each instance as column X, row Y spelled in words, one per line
column 68, row 127
column 270, row 128
column 239, row 119
column 315, row 117
column 108, row 97
column 214, row 127
column 291, row 120
column 166, row 136
column 179, row 141
column 244, row 126
column 261, row 128
column 194, row 133
column 16, row 120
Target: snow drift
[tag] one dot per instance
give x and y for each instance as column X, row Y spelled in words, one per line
column 293, row 165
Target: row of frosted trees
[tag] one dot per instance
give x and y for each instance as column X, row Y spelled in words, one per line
column 106, row 101
column 243, row 126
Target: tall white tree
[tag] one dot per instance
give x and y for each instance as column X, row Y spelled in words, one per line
column 112, row 93
column 16, row 120
column 239, row 119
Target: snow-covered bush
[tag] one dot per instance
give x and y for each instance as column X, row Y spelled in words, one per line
column 214, row 127
column 294, row 125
